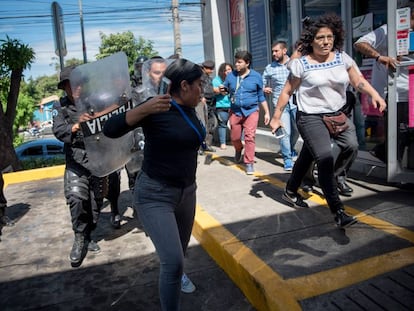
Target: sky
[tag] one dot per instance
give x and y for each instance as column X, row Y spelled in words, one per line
column 30, row 21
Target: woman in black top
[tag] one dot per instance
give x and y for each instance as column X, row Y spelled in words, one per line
column 165, row 192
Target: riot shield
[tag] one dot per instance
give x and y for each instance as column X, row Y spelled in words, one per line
column 102, row 89
column 134, row 165
column 152, row 73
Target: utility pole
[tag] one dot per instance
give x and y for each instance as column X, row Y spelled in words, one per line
column 85, row 60
column 176, row 23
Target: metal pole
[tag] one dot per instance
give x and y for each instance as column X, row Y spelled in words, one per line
column 85, row 60
column 176, row 23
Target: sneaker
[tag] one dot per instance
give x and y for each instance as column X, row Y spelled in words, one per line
column 93, row 247
column 294, row 155
column 307, row 188
column 115, row 221
column 344, row 189
column 238, row 156
column 343, row 220
column 186, row 285
column 294, row 199
column 210, row 149
column 288, row 165
column 6, row 221
column 249, row 169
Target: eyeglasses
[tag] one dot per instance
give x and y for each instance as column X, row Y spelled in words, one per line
column 330, row 38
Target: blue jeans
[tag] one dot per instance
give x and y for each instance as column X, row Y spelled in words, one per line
column 223, row 118
column 288, row 142
column 317, row 146
column 167, row 214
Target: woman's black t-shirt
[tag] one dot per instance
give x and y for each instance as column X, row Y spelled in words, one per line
column 171, row 144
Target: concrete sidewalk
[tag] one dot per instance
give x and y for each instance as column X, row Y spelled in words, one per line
column 272, row 257
column 292, row 259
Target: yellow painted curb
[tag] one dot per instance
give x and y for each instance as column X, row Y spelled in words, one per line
column 323, row 282
column 263, row 287
column 35, row 174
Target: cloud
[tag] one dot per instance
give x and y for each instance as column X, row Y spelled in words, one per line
column 161, row 34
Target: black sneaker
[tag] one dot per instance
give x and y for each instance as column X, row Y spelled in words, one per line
column 307, row 188
column 343, row 220
column 115, row 221
column 6, row 221
column 93, row 247
column 294, row 199
column 238, row 156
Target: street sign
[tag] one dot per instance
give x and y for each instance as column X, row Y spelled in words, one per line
column 58, row 30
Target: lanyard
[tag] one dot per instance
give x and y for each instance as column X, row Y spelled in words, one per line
column 187, row 119
column 238, row 82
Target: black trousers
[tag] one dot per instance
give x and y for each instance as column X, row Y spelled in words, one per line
column 84, row 194
column 317, row 147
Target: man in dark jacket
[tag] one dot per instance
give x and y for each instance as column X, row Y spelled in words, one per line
column 202, row 108
column 84, row 192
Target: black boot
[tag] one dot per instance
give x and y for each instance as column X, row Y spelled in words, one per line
column 4, row 219
column 343, row 220
column 93, row 247
column 115, row 217
column 79, row 250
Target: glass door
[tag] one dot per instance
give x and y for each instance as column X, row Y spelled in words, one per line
column 400, row 134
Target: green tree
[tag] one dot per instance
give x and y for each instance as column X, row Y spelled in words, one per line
column 14, row 58
column 127, row 43
column 24, row 114
column 44, row 86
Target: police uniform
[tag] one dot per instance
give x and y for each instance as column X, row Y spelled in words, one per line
column 84, row 192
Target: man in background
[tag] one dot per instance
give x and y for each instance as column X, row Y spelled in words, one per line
column 274, row 78
column 206, row 102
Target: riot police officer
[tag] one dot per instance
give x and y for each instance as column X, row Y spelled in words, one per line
column 152, row 71
column 84, row 192
column 136, row 78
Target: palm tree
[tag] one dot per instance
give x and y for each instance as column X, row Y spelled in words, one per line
column 14, row 58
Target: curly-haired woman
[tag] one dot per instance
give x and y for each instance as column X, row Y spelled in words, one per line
column 321, row 76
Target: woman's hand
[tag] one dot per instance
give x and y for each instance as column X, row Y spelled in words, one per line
column 274, row 124
column 156, row 104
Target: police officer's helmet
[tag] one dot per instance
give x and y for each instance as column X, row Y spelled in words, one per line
column 138, row 65
column 141, row 59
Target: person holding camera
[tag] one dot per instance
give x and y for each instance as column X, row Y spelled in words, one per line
column 222, row 102
column 165, row 192
column 246, row 92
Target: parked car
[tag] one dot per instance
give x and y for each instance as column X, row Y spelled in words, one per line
column 40, row 152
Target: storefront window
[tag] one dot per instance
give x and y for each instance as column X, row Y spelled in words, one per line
column 372, row 121
column 280, row 25
column 313, row 8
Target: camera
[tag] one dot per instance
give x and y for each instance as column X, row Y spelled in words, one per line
column 280, row 132
column 224, row 89
column 164, row 86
